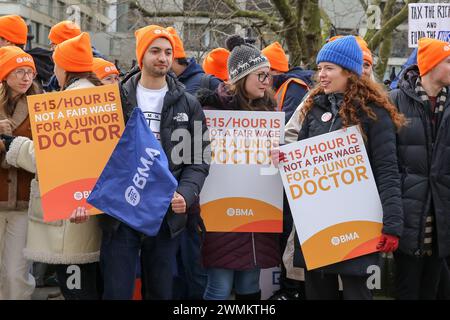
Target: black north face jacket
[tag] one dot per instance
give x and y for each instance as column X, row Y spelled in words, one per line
column 180, row 111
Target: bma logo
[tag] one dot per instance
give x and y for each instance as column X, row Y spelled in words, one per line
column 335, row 241
column 132, row 195
column 24, row 59
column 80, row 195
column 231, row 212
column 444, row 36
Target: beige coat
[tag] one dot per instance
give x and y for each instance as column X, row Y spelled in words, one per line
column 59, row 242
column 14, row 182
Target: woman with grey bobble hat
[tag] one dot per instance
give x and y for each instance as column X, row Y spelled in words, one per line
column 234, row 260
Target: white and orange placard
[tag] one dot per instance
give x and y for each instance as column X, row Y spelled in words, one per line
column 74, row 134
column 333, row 197
column 243, row 191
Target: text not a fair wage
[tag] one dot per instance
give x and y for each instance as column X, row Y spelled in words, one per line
column 330, row 164
column 98, row 127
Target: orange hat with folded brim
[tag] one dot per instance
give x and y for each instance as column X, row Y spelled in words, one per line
column 178, row 50
column 14, row 29
column 430, row 53
column 11, row 58
column 277, row 57
column 75, row 55
column 215, row 63
column 146, row 35
column 63, row 31
column 103, row 68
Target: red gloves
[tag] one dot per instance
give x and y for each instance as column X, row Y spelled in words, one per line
column 388, row 243
column 277, row 156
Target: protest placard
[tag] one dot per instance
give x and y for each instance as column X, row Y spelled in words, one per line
column 74, row 134
column 431, row 20
column 241, row 193
column 333, row 197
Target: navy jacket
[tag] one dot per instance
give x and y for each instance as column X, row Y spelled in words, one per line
column 192, row 77
column 295, row 92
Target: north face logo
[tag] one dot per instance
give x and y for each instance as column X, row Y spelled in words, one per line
column 181, row 117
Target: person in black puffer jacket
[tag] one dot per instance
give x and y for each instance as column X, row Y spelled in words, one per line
column 350, row 100
column 423, row 95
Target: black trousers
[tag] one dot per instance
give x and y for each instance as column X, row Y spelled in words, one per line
column 320, row 286
column 444, row 283
column 80, row 281
column 417, row 277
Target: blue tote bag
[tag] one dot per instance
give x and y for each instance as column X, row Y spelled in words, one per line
column 136, row 186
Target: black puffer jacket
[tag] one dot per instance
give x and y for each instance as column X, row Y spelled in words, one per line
column 180, row 111
column 425, row 170
column 381, row 149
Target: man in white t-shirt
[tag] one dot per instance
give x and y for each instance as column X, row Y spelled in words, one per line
column 167, row 107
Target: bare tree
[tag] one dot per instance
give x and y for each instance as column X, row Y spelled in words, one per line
column 302, row 25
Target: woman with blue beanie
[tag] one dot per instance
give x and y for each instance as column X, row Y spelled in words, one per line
column 344, row 98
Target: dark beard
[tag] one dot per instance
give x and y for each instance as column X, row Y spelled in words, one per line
column 154, row 72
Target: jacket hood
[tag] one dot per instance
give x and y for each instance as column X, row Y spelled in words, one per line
column 407, row 82
column 296, row 72
column 411, row 60
column 192, row 69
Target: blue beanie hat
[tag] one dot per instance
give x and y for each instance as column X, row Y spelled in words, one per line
column 344, row 52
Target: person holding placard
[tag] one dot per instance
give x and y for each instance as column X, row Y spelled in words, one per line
column 235, row 259
column 344, row 98
column 72, row 245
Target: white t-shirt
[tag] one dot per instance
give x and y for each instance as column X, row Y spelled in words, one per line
column 151, row 103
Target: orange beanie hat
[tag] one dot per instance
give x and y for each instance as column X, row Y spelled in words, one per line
column 145, row 36
column 11, row 58
column 215, row 63
column 277, row 57
column 178, row 50
column 431, row 52
column 63, row 31
column 14, row 29
column 367, row 54
column 103, row 68
column 74, row 55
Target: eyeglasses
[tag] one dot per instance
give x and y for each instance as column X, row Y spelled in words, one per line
column 21, row 73
column 263, row 76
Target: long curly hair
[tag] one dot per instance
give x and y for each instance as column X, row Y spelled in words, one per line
column 360, row 92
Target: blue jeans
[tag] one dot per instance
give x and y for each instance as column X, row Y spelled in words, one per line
column 119, row 258
column 192, row 277
column 221, row 281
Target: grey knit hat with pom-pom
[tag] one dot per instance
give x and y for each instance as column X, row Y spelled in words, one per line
column 244, row 58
